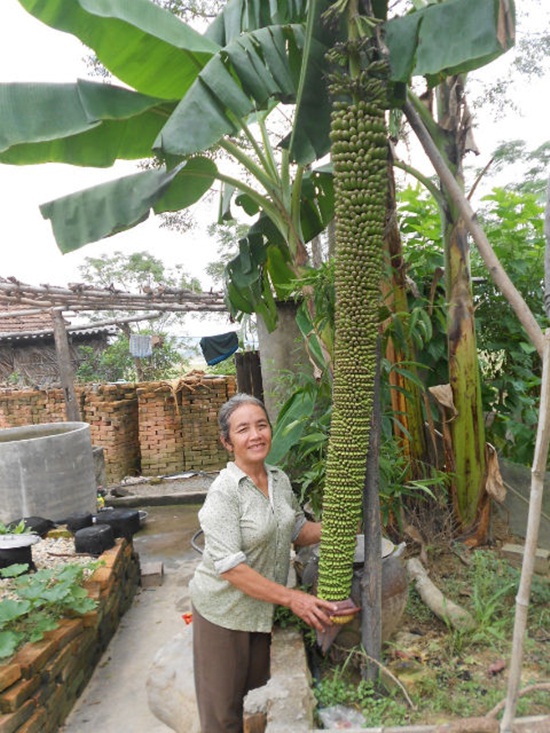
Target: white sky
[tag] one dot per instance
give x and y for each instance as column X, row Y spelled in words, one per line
column 30, row 51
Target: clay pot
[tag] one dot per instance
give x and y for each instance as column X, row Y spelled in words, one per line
column 395, row 587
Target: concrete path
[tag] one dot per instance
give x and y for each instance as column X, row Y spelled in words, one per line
column 115, row 699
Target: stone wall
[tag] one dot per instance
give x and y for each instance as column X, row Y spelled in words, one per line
column 41, row 682
column 152, row 428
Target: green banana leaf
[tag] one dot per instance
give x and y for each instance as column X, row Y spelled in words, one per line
column 85, row 123
column 474, row 34
column 311, row 341
column 143, row 45
column 104, row 210
column 244, row 16
column 242, row 78
column 291, row 423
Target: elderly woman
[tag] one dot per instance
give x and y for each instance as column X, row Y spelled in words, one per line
column 250, row 518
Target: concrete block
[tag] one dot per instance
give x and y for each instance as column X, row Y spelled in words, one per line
column 152, row 574
column 514, row 553
column 286, row 701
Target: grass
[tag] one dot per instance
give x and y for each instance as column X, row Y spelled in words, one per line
column 448, row 674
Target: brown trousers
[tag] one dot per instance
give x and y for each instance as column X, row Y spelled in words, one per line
column 227, row 665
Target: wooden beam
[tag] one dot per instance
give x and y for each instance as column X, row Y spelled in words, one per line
column 72, row 411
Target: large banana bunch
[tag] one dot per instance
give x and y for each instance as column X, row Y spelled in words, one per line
column 360, row 159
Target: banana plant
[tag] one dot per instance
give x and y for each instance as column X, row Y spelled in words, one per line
column 195, row 94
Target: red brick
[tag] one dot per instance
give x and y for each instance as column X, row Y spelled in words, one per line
column 13, row 721
column 9, row 673
column 33, row 657
column 12, row 699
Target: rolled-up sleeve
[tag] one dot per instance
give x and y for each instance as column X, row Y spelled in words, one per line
column 219, row 521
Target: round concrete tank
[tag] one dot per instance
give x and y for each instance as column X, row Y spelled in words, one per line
column 46, row 471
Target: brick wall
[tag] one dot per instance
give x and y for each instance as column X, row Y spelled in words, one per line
column 41, row 682
column 152, row 428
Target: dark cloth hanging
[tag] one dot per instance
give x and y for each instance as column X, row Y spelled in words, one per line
column 220, row 347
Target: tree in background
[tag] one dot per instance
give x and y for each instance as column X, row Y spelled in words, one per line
column 136, row 272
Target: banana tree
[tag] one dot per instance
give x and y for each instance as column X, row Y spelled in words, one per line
column 465, row 444
column 198, row 92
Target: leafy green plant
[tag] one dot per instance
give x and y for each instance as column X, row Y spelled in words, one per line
column 341, row 687
column 15, row 528
column 493, row 582
column 39, row 601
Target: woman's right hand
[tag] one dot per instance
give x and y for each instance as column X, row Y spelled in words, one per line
column 316, row 612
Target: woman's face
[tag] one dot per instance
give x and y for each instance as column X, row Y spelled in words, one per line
column 249, row 434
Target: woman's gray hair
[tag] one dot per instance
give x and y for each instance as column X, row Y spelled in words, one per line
column 227, row 409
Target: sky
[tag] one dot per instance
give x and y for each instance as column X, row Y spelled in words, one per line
column 30, row 51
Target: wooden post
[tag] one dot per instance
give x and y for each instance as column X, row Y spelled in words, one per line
column 72, row 412
column 371, row 579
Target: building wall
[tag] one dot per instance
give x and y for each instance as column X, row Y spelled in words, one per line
column 149, row 429
column 34, row 363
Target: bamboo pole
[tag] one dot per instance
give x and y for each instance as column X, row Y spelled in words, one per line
column 79, row 296
column 533, row 522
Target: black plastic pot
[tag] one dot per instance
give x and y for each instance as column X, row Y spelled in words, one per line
column 124, row 522
column 77, row 521
column 94, row 540
column 39, row 525
column 17, row 548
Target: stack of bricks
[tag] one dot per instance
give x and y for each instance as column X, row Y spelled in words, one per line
column 160, row 435
column 41, row 682
column 152, row 428
column 200, row 403
column 112, row 413
column 178, row 429
column 31, row 407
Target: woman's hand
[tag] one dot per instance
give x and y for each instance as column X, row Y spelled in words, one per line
column 314, row 611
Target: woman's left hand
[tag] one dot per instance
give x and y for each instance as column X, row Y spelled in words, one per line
column 316, row 612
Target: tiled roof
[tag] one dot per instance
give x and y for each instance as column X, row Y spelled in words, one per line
column 16, row 323
column 38, row 325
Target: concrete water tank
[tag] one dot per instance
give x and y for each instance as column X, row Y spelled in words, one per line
column 46, row 471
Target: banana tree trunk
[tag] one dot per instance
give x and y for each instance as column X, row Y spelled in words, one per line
column 467, row 428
